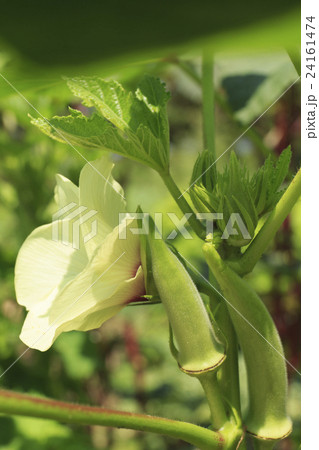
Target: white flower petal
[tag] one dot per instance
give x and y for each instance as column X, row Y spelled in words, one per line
column 127, row 291
column 110, row 280
column 65, row 192
column 101, row 193
column 44, row 267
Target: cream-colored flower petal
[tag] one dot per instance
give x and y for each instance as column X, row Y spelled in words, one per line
column 44, row 267
column 111, row 279
column 128, row 291
column 101, row 193
column 65, row 192
column 40, row 333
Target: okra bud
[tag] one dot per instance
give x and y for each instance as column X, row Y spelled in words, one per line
column 199, row 349
column 267, row 418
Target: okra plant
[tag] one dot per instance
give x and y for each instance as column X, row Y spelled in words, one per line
column 125, row 261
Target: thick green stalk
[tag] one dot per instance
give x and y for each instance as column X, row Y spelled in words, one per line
column 266, row 234
column 13, row 403
column 210, row 385
column 259, row 340
column 208, row 100
column 228, row 375
column 220, row 421
column 183, row 205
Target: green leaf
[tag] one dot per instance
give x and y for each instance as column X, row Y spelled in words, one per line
column 202, row 171
column 132, row 125
column 268, row 179
column 261, row 196
column 281, row 169
column 200, row 198
column 236, row 191
column 246, row 216
column 75, row 128
column 152, row 93
column 95, row 132
column 108, row 97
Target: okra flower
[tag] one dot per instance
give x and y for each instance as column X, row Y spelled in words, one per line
column 78, row 287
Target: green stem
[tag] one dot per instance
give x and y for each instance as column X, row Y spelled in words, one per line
column 209, row 106
column 26, row 405
column 228, row 375
column 210, row 385
column 260, row 243
column 183, row 205
column 251, row 133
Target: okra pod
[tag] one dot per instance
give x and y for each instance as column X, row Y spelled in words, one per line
column 267, row 418
column 199, row 349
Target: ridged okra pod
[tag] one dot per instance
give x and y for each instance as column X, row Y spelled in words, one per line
column 199, row 349
column 267, row 418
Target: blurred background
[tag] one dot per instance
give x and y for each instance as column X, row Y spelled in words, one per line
column 126, row 364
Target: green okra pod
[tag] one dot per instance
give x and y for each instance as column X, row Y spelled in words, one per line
column 267, row 418
column 199, row 349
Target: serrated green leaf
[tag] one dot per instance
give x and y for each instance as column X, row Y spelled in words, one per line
column 236, row 191
column 281, row 169
column 240, row 186
column 152, row 147
column 262, row 196
column 95, row 132
column 134, row 126
column 246, row 217
column 249, row 203
column 214, row 201
column 221, row 223
column 200, row 198
column 256, row 183
column 197, row 170
column 229, row 208
column 152, row 93
column 267, row 181
column 268, row 171
column 202, row 172
column 76, row 128
column 108, row 97
column 232, row 207
column 208, row 171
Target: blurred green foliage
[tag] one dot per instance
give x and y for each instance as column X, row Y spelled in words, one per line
column 78, row 33
column 126, row 364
